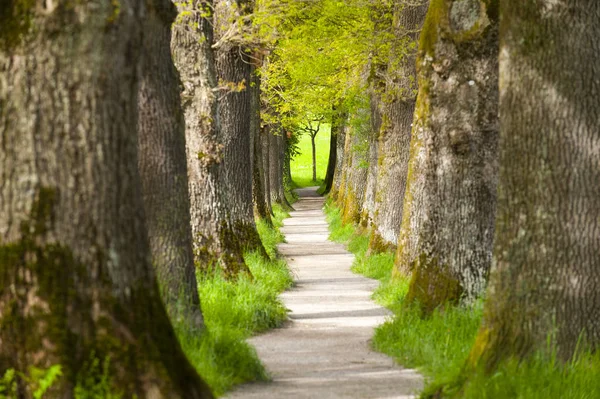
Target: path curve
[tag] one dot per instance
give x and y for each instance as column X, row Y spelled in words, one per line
column 323, row 351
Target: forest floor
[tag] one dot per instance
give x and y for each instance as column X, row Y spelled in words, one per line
column 324, row 351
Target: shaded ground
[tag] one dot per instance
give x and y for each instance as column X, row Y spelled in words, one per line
column 323, row 351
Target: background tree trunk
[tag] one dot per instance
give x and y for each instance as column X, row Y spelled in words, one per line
column 234, row 112
column 331, row 162
column 314, row 157
column 212, row 227
column 546, row 275
column 340, row 143
column 356, row 175
column 276, row 170
column 394, row 136
column 262, row 209
column 163, row 170
column 266, row 159
column 449, row 206
column 76, row 283
column 368, row 208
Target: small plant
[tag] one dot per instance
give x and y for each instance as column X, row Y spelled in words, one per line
column 93, row 381
column 37, row 380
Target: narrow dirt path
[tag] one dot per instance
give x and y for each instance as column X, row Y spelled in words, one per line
column 323, row 351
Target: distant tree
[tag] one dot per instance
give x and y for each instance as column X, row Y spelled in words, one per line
column 76, row 283
column 312, row 128
column 546, row 276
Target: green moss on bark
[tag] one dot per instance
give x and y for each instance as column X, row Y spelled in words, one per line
column 15, row 22
column 432, row 285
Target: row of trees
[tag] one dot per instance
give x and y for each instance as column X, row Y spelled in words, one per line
column 482, row 167
column 132, row 155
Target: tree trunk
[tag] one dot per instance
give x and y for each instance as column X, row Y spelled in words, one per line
column 266, row 158
column 346, row 166
column 163, row 170
column 356, row 174
column 546, row 275
column 287, row 168
column 277, row 160
column 368, row 208
column 394, row 136
column 340, row 143
column 261, row 208
column 331, row 162
column 76, row 283
column 234, row 113
column 449, row 206
column 314, row 158
column 212, row 227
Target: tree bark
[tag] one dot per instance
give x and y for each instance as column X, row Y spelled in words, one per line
column 163, row 170
column 266, row 158
column 76, row 283
column 546, row 275
column 340, row 155
column 368, row 208
column 215, row 246
column 234, row 112
column 356, row 174
column 262, row 209
column 394, row 136
column 331, row 161
column 314, row 158
column 276, row 170
column 449, row 207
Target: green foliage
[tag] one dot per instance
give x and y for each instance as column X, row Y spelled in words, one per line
column 37, row 380
column 302, row 164
column 234, row 311
column 321, row 48
column 94, row 380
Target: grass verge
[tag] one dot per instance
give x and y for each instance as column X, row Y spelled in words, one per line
column 236, row 310
column 438, row 345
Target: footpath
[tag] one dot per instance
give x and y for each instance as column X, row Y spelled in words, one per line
column 323, row 351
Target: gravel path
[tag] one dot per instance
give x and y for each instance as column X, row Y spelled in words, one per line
column 323, row 351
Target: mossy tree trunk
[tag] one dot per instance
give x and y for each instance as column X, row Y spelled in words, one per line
column 338, row 128
column 287, row 166
column 266, row 160
column 332, row 159
column 381, row 17
column 367, row 210
column 234, row 68
column 163, row 170
column 346, row 165
column 399, row 98
column 448, row 223
column 262, row 208
column 357, row 166
column 76, row 282
column 212, row 228
column 546, row 274
column 276, row 166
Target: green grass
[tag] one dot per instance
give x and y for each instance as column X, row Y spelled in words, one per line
column 236, row 310
column 438, row 345
column 302, row 164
